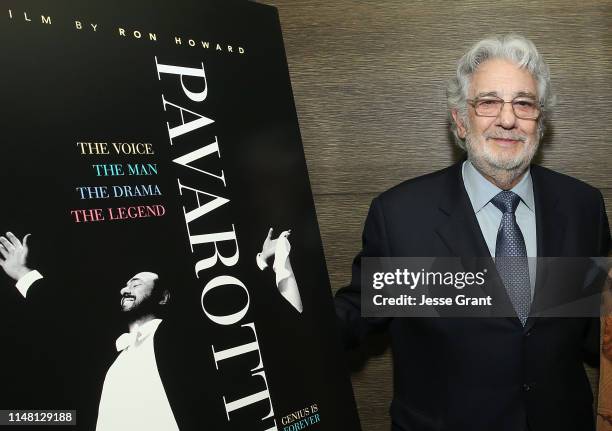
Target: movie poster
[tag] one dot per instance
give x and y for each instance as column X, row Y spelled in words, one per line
column 161, row 266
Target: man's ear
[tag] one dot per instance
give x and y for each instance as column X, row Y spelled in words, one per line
column 165, row 298
column 461, row 129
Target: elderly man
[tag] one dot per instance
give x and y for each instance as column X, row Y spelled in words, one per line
column 481, row 374
column 133, row 396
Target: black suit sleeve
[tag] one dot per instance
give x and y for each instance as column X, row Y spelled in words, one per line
column 375, row 243
column 40, row 293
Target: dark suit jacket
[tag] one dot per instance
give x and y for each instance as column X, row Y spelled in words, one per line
column 489, row 374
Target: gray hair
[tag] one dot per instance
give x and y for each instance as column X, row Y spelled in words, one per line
column 512, row 47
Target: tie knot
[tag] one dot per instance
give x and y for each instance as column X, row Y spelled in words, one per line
column 506, row 201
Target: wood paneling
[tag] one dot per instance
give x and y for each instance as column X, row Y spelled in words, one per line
column 369, row 82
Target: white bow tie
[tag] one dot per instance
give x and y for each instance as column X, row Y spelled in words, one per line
column 137, row 336
column 126, row 340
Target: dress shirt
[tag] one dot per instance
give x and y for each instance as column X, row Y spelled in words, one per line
column 24, row 283
column 481, row 191
column 133, row 396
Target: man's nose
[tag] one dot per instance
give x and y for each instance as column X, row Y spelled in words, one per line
column 125, row 290
column 506, row 117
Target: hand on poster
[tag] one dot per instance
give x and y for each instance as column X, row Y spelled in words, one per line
column 267, row 249
column 285, row 278
column 14, row 255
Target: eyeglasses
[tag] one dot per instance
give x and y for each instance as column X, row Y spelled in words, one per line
column 490, row 106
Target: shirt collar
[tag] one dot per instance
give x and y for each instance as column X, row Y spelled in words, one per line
column 137, row 335
column 148, row 327
column 481, row 191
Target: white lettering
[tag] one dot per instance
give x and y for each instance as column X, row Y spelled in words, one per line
column 188, row 158
column 182, row 72
column 225, row 280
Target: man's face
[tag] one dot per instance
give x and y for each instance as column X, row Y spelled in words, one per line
column 504, row 142
column 137, row 291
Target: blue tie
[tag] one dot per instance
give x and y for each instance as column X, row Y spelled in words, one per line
column 511, row 255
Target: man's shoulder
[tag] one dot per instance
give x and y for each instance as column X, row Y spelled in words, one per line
column 423, row 188
column 426, row 190
column 564, row 185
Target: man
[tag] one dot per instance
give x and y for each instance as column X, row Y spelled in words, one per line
column 133, row 396
column 520, row 373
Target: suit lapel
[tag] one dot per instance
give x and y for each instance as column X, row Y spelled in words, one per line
column 461, row 233
column 550, row 223
column 550, row 226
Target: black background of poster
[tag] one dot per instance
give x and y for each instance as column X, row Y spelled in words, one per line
column 62, row 85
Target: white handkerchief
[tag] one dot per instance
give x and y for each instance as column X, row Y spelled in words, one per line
column 281, row 254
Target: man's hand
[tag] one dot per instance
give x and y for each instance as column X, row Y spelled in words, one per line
column 269, row 245
column 14, row 255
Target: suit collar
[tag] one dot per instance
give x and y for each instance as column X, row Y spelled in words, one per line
column 550, row 227
column 460, row 231
column 550, row 222
column 462, row 235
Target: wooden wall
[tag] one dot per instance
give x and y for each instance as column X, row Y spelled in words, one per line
column 369, row 79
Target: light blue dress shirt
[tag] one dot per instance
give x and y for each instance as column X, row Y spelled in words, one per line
column 481, row 191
